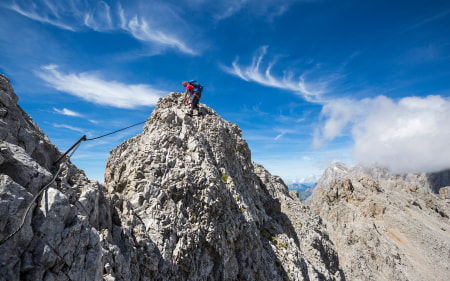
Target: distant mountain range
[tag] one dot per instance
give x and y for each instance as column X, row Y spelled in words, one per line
column 304, row 189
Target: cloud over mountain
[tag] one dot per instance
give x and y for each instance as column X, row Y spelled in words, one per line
column 406, row 135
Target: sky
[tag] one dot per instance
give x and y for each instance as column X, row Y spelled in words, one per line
column 309, row 82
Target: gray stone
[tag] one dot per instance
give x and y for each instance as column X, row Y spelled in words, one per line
column 386, row 226
column 57, row 234
column 444, row 193
column 17, row 127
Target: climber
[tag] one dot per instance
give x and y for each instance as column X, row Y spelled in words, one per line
column 195, row 91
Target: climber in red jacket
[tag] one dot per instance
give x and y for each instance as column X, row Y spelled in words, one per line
column 195, row 91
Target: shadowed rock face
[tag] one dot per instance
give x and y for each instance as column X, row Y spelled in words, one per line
column 17, row 127
column 60, row 237
column 182, row 201
column 387, row 227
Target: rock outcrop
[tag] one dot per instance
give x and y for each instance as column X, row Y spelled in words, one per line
column 387, row 227
column 181, row 201
column 193, row 206
column 59, row 239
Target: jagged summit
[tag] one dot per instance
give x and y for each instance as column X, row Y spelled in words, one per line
column 192, row 189
column 181, row 201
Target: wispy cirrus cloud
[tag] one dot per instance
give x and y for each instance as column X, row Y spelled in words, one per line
column 72, row 128
column 269, row 9
column 99, row 17
column 282, row 133
column 67, row 112
column 47, row 13
column 137, row 19
column 429, row 19
column 140, row 29
column 92, row 88
column 309, row 90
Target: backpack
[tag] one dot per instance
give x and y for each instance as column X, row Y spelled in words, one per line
column 196, row 85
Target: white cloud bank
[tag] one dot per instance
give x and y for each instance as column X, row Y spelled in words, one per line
column 411, row 134
column 90, row 87
column 408, row 135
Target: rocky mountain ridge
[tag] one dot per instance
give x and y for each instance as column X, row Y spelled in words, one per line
column 387, row 226
column 181, row 201
column 192, row 188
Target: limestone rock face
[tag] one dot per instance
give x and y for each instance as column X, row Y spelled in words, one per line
column 60, row 237
column 386, row 227
column 313, row 238
column 191, row 205
column 17, row 127
column 182, row 201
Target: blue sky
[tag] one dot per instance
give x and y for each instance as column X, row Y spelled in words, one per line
column 309, row 82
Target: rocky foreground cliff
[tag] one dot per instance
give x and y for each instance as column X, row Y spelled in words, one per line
column 181, row 201
column 387, row 226
column 61, row 236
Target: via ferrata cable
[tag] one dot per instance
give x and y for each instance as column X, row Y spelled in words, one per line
column 74, row 148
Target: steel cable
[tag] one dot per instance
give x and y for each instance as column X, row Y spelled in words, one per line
column 74, row 147
column 36, row 197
